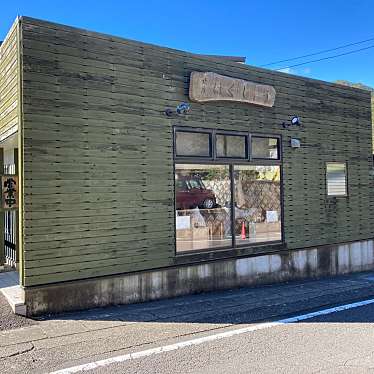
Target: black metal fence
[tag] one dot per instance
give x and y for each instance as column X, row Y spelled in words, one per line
column 10, row 228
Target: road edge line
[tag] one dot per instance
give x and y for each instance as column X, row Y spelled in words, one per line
column 209, row 338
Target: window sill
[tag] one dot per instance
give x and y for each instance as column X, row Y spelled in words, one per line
column 227, row 253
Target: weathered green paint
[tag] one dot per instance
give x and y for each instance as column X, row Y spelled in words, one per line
column 9, row 88
column 10, row 95
column 98, row 158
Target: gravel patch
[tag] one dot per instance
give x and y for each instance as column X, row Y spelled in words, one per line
column 9, row 320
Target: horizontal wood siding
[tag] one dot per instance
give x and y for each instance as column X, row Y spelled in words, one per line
column 98, row 168
column 9, row 92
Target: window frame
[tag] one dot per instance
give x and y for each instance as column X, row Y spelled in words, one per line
column 346, row 180
column 213, row 150
column 234, row 249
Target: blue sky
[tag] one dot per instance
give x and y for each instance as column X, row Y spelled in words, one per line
column 263, row 31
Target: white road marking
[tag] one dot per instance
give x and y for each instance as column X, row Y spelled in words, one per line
column 210, row 338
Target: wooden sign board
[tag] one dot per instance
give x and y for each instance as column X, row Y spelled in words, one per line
column 215, row 87
column 9, row 188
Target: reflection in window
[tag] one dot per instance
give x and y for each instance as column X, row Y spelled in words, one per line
column 193, row 144
column 257, row 204
column 203, row 214
column 231, row 146
column 265, row 147
column 232, row 200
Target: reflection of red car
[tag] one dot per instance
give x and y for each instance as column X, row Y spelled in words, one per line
column 192, row 193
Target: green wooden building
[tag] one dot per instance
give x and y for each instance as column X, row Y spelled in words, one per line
column 143, row 172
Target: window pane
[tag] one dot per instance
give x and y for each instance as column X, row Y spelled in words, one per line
column 192, row 144
column 264, row 147
column 336, row 179
column 231, row 146
column 203, row 216
column 257, row 204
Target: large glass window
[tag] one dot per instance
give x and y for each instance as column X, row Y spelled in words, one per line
column 257, row 204
column 203, row 206
column 231, row 201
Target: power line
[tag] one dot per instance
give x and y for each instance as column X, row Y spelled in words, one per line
column 327, row 58
column 318, row 53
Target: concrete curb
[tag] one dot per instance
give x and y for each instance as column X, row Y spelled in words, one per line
column 15, row 296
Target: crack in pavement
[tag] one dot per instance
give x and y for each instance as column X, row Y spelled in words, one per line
column 19, row 352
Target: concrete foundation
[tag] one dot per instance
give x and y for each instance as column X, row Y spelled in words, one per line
column 223, row 274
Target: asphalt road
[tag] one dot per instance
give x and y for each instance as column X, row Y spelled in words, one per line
column 8, row 320
column 342, row 342
column 339, row 342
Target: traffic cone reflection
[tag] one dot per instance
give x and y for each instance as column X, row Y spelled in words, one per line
column 243, row 230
